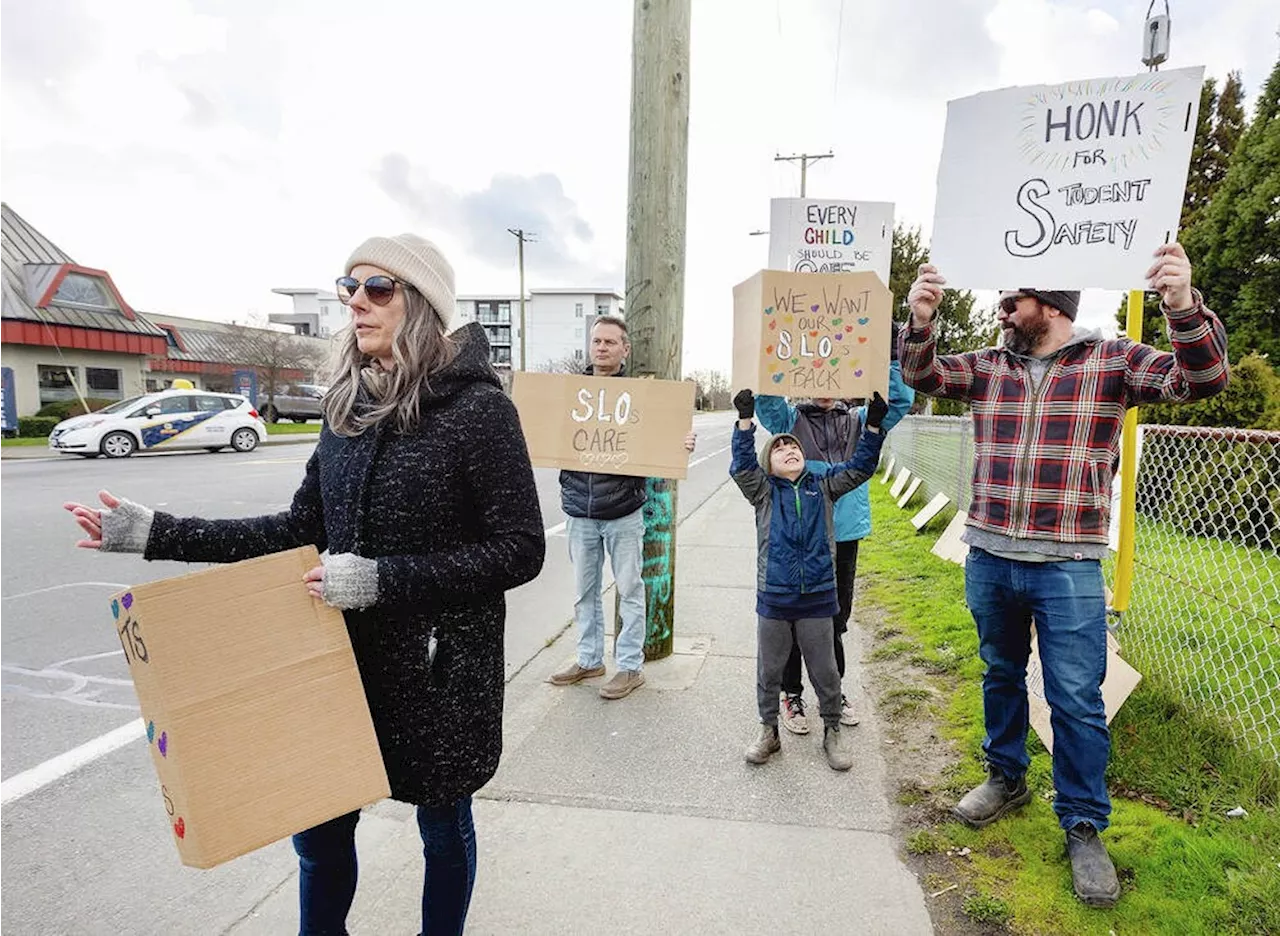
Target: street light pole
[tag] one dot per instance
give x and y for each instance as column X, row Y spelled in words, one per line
column 804, row 160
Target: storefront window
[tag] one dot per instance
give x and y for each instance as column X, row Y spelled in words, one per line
column 104, row 383
column 57, row 383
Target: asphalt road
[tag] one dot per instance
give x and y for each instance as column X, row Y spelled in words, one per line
column 88, row 850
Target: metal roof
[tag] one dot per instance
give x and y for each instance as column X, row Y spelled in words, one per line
column 31, row 259
column 225, row 343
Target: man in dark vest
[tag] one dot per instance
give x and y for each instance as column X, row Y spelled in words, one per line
column 605, row 515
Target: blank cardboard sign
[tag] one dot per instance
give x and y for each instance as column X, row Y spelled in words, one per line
column 255, row 713
column 1120, row 682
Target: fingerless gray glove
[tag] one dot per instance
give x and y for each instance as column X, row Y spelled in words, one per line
column 126, row 528
column 350, row 581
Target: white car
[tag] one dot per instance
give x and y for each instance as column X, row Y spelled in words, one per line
column 170, row 419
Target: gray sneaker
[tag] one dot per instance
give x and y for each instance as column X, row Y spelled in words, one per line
column 1093, row 876
column 624, row 683
column 575, row 674
column 764, row 746
column 838, row 757
column 984, row 804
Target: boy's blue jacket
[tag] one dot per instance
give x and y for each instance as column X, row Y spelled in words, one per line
column 794, row 541
column 832, row 434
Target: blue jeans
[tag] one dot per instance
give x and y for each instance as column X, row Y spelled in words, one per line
column 623, row 539
column 1069, row 606
column 328, row 870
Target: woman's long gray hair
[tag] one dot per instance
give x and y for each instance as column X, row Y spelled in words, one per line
column 419, row 347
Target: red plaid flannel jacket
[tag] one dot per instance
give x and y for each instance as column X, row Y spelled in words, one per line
column 1043, row 460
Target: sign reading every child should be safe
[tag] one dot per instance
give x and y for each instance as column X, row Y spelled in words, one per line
column 607, row 425
column 812, row 334
column 1069, row 186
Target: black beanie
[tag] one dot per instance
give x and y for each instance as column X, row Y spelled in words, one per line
column 1066, row 302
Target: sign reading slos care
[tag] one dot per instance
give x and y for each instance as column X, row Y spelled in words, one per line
column 608, row 425
column 1067, row 186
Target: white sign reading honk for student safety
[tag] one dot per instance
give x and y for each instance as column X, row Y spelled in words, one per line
column 1068, row 186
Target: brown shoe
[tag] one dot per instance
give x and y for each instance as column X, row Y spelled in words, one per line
column 575, row 674
column 624, row 682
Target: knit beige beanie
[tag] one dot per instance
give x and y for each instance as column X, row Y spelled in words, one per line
column 416, row 261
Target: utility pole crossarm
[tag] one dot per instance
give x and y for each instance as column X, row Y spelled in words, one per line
column 804, row 159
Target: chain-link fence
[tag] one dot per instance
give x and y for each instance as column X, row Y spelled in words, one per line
column 1204, row 614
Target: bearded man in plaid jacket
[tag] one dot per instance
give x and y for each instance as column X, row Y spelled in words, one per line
column 1048, row 406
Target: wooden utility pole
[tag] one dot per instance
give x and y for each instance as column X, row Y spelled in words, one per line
column 804, row 160
column 521, row 235
column 655, row 261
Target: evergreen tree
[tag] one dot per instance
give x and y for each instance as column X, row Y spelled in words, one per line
column 1219, row 127
column 1235, row 246
column 958, row 326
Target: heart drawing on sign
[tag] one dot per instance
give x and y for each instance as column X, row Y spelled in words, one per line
column 813, row 334
column 151, row 731
column 115, row 609
column 862, row 339
column 857, row 373
column 817, row 363
column 777, row 378
column 180, row 828
column 769, row 350
column 815, row 307
column 863, row 321
column 834, row 361
column 836, row 321
column 127, row 601
column 848, row 328
column 769, row 310
column 838, row 336
column 772, row 323
column 164, row 744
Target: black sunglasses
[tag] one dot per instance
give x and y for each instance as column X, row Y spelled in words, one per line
column 1009, row 304
column 378, row 288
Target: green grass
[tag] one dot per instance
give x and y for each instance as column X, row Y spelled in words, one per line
column 1174, row 771
column 312, row 428
column 24, row 443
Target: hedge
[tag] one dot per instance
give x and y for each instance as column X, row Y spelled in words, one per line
column 36, row 427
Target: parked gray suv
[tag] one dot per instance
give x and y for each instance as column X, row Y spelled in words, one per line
column 296, row 402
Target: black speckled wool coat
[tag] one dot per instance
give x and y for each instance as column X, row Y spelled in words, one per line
column 451, row 513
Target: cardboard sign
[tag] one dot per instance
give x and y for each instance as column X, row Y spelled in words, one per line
column 1119, row 683
column 812, row 334
column 1068, row 186
column 608, row 425
column 814, row 235
column 255, row 713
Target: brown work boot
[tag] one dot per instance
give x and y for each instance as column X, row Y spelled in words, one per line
column 839, row 757
column 986, row 803
column 624, row 683
column 764, row 746
column 575, row 674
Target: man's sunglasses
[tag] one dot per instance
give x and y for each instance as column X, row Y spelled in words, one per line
column 378, row 288
column 1009, row 304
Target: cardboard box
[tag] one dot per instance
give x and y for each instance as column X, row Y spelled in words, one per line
column 255, row 713
column 610, row 425
column 812, row 334
column 1120, row 682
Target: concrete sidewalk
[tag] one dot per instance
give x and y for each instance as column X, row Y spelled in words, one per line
column 42, row 451
column 640, row 816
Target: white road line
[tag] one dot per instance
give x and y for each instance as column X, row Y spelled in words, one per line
column 27, row 782
column 41, row 591
column 697, row 462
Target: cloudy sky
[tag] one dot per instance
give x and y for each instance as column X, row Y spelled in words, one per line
column 205, row 152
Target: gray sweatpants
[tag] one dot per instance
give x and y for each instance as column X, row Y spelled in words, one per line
column 817, row 646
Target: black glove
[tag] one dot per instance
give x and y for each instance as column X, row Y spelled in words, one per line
column 877, row 410
column 745, row 403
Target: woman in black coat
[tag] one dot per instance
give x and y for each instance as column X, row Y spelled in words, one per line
column 421, row 498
